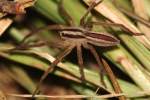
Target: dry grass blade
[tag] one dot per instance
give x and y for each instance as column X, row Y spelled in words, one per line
column 132, row 95
column 140, row 10
column 131, row 68
column 26, row 3
column 4, row 24
column 67, row 96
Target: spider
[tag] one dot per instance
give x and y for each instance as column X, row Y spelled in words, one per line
column 78, row 37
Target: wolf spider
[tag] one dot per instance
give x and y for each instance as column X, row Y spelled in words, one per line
column 78, row 37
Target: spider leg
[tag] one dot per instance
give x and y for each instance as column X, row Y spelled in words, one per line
column 115, row 83
column 108, row 24
column 27, row 46
column 108, row 71
column 83, row 18
column 80, row 62
column 131, row 14
column 64, row 14
column 58, row 59
column 55, row 27
column 49, row 27
column 96, row 56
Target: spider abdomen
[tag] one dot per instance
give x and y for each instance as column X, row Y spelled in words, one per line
column 100, row 39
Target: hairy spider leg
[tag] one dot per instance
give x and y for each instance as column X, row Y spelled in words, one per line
column 102, row 62
column 58, row 59
column 80, row 61
column 41, row 29
column 108, row 24
column 92, row 6
column 25, row 46
column 102, row 70
column 55, row 27
column 113, row 79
